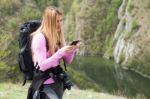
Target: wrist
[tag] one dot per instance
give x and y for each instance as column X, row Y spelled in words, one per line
column 61, row 53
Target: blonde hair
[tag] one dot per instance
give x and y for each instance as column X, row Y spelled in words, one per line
column 48, row 28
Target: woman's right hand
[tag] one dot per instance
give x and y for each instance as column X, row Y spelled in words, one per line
column 69, row 48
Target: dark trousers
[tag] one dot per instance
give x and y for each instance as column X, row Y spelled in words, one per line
column 52, row 91
column 46, row 91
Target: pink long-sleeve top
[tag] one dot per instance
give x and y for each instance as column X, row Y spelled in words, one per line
column 45, row 59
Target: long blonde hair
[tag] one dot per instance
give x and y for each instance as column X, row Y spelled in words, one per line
column 48, row 28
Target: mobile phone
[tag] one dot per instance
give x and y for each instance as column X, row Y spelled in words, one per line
column 75, row 42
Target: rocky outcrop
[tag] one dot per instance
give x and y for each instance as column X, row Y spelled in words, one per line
column 124, row 49
column 131, row 38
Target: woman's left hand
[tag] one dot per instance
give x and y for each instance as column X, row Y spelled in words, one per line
column 73, row 47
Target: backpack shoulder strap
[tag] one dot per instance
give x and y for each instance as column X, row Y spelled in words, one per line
column 47, row 48
column 65, row 65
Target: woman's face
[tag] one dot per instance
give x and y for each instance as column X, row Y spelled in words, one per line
column 59, row 23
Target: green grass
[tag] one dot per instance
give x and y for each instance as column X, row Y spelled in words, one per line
column 16, row 91
column 12, row 91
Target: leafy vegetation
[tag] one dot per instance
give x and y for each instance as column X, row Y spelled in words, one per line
column 135, row 25
column 97, row 23
column 140, row 64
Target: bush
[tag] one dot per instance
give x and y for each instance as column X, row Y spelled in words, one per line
column 8, row 7
column 29, row 13
column 135, row 25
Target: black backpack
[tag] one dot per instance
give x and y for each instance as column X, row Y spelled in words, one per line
column 25, row 57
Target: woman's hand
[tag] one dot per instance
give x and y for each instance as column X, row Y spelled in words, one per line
column 71, row 48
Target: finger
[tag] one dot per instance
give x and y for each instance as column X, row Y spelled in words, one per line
column 69, row 49
column 79, row 45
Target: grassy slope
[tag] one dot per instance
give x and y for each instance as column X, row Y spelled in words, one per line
column 16, row 91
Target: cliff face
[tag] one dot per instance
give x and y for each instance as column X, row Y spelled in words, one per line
column 132, row 38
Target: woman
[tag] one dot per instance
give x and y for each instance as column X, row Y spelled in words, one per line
column 48, row 49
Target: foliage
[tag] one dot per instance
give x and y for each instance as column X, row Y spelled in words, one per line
column 7, row 7
column 111, row 17
column 70, row 20
column 140, row 64
column 97, row 23
column 109, row 25
column 34, row 13
column 66, row 5
column 130, row 6
column 135, row 25
column 108, row 47
column 42, row 4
